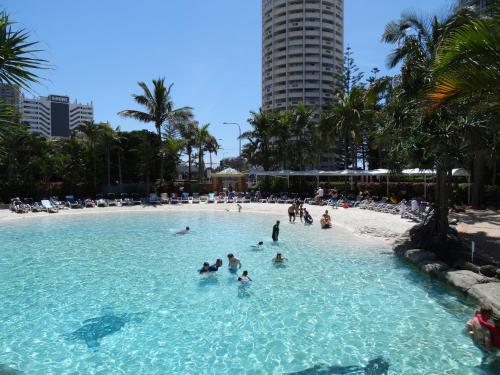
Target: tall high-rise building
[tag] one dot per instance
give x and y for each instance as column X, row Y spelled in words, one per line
column 54, row 115
column 10, row 95
column 302, row 48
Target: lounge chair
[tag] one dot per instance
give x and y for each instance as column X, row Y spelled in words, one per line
column 112, row 201
column 125, row 200
column 230, row 197
column 71, row 202
column 101, row 202
column 57, row 203
column 18, row 206
column 164, row 198
column 153, row 199
column 49, row 207
column 174, row 199
column 33, row 206
column 203, row 199
column 221, row 198
column 247, row 198
column 196, row 198
column 89, row 203
column 184, row 197
column 211, row 198
column 136, row 199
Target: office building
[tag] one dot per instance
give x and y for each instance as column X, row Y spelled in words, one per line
column 302, row 48
column 54, row 115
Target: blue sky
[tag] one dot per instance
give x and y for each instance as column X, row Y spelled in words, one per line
column 209, row 49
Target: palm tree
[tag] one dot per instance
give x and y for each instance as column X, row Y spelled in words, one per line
column 159, row 110
column 202, row 138
column 258, row 150
column 300, row 128
column 212, row 146
column 187, row 130
column 91, row 132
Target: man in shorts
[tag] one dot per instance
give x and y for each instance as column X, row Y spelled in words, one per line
column 291, row 213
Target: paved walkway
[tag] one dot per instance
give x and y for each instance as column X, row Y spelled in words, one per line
column 483, row 227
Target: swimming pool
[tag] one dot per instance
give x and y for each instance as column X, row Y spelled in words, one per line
column 119, row 293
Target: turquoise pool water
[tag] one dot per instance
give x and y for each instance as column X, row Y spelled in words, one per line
column 340, row 301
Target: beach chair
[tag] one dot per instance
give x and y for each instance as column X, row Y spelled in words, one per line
column 57, row 203
column 239, row 198
column 211, row 198
column 203, row 199
column 230, row 197
column 89, row 203
column 196, row 198
column 49, row 207
column 125, row 200
column 221, row 198
column 164, row 198
column 136, row 199
column 174, row 199
column 32, row 205
column 153, row 199
column 101, row 202
column 71, row 202
column 184, row 197
column 111, row 198
column 247, row 198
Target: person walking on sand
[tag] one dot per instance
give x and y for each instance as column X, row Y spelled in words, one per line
column 276, row 231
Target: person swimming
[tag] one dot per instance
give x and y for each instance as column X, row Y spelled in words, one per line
column 183, row 232
column 215, row 267
column 205, row 268
column 234, row 263
column 279, row 259
column 244, row 278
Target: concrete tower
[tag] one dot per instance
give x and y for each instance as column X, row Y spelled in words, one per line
column 302, row 47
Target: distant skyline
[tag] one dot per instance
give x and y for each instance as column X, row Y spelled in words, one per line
column 210, row 50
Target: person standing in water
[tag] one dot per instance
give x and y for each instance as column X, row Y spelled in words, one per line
column 234, row 263
column 291, row 213
column 276, row 231
column 239, row 207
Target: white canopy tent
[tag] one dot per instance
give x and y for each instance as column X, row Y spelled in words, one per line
column 458, row 172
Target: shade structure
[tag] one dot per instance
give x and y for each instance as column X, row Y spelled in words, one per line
column 229, row 172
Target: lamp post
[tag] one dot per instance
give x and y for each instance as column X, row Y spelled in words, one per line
column 239, row 128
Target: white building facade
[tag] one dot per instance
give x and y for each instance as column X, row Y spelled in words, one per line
column 54, row 115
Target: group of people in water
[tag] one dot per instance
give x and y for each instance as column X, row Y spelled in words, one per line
column 299, row 210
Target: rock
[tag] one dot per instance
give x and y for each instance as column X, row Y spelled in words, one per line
column 489, row 270
column 463, row 265
column 487, row 293
column 463, row 279
column 434, row 268
column 418, row 256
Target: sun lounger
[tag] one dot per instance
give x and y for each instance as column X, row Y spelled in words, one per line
column 49, row 207
column 230, row 197
column 153, row 199
column 174, row 199
column 125, row 200
column 221, row 198
column 136, row 199
column 71, row 202
column 184, row 197
column 57, row 203
column 101, row 202
column 196, row 198
column 111, row 198
column 89, row 203
column 203, row 199
column 211, row 198
column 246, row 198
column 164, row 198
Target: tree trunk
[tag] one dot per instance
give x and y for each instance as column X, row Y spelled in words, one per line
column 120, row 170
column 200, row 165
column 108, row 162
column 477, row 183
column 189, row 166
column 442, row 196
column 94, row 163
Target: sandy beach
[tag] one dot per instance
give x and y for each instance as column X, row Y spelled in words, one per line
column 369, row 224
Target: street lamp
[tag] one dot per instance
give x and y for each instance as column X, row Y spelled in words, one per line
column 239, row 128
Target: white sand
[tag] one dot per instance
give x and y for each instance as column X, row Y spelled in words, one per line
column 370, row 224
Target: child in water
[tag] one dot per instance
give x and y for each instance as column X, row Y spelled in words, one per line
column 279, row 259
column 244, row 278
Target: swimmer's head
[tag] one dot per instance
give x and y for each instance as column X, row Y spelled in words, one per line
column 279, row 255
column 187, row 228
column 260, row 243
column 230, row 256
column 486, row 311
column 245, row 273
column 206, row 264
column 218, row 262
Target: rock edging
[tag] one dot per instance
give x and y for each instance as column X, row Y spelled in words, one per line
column 465, row 277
